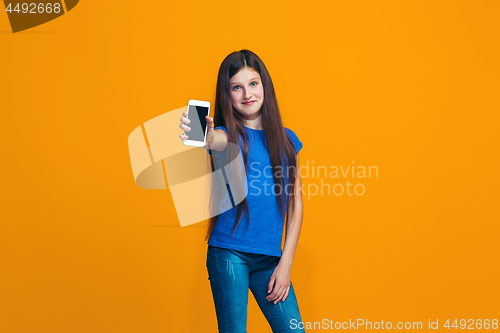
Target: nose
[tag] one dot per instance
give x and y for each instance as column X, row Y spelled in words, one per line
column 246, row 94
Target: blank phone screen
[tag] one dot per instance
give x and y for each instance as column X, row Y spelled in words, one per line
column 198, row 124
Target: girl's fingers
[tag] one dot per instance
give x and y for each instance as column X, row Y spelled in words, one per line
column 277, row 293
column 282, row 293
column 184, row 120
column 286, row 293
column 270, row 285
column 184, row 127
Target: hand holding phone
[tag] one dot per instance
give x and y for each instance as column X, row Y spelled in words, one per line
column 197, row 125
column 210, row 129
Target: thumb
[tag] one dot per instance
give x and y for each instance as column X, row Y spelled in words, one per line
column 210, row 122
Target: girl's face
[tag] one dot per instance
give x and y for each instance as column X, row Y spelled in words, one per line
column 247, row 93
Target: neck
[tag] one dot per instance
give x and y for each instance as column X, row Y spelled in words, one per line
column 255, row 123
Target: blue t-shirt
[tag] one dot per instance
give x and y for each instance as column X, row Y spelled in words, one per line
column 265, row 230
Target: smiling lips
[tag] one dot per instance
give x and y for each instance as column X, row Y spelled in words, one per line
column 249, row 103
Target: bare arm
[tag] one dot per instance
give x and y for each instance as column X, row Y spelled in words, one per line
column 279, row 283
column 219, row 140
column 294, row 222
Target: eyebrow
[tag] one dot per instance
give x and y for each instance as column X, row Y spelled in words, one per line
column 255, row 78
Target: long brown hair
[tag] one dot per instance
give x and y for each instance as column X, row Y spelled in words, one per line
column 280, row 146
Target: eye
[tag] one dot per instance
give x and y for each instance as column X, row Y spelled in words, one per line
column 253, row 85
column 234, row 88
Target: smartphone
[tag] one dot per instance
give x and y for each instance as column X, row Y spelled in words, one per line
column 196, row 112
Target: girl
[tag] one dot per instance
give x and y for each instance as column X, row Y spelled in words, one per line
column 239, row 258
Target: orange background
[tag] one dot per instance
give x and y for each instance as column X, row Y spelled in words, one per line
column 410, row 87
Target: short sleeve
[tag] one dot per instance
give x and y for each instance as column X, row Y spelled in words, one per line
column 295, row 139
column 218, row 127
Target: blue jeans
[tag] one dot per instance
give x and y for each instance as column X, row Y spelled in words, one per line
column 231, row 273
